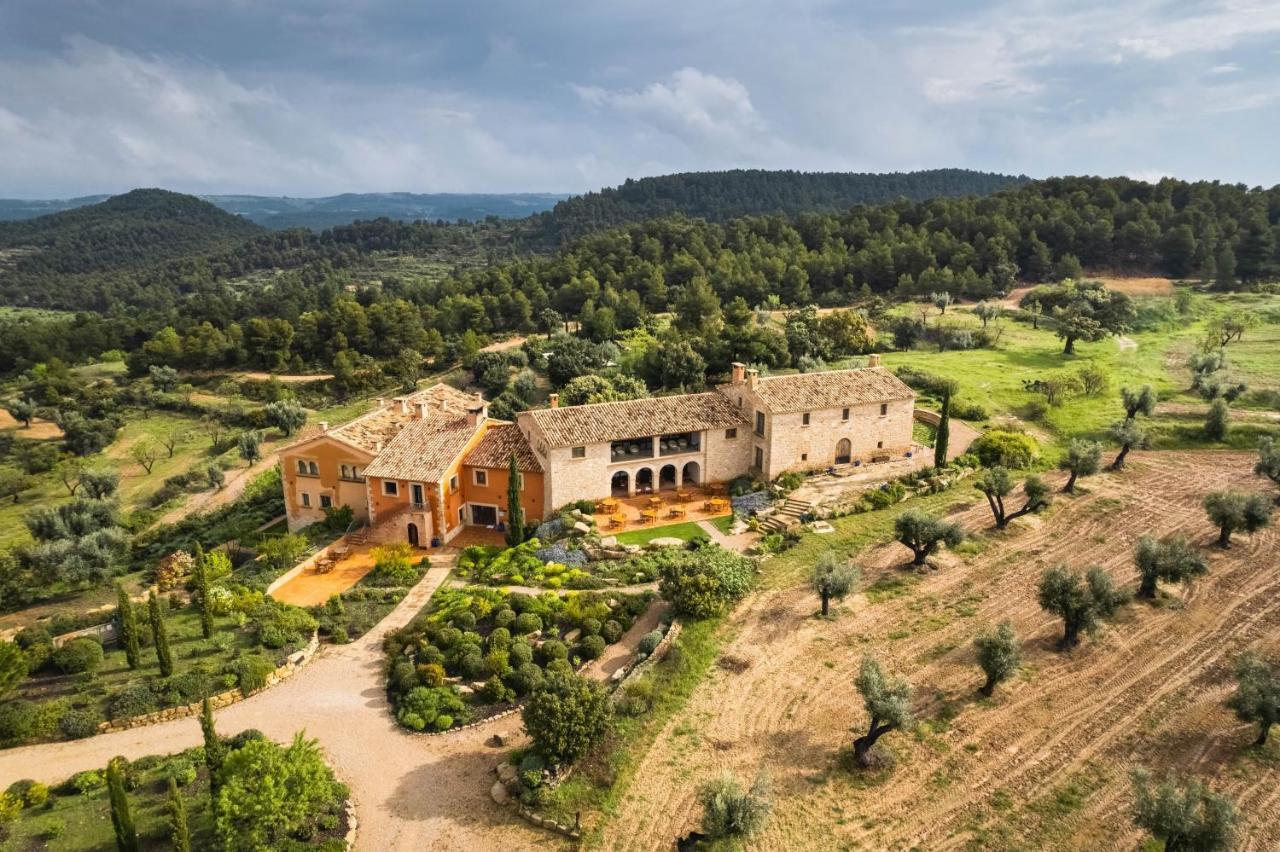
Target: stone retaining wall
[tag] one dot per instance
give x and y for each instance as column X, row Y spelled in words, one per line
column 104, row 633
column 648, row 662
column 288, row 669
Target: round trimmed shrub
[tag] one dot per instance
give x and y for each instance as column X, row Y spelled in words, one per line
column 430, row 654
column 472, row 665
column 526, row 623
column 591, row 647
column 504, row 617
column 443, row 722
column 997, row 447
column 181, row 769
column 17, row 721
column 464, row 621
column 430, row 674
column 524, row 678
column 404, row 676
column 78, row 656
column 134, row 700
column 611, row 631
column 648, row 643
column 78, row 724
column 499, row 639
column 558, row 667
column 447, row 637
column 519, row 653
column 242, row 739
column 553, row 649
column 252, row 672
column 590, row 627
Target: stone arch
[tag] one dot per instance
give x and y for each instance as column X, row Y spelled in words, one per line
column 619, row 484
column 843, row 451
column 667, row 477
column 644, row 479
column 692, row 473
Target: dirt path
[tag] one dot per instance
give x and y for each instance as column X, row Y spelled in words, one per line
column 622, row 652
column 1042, row 765
column 237, row 480
column 504, row 345
column 411, row 792
column 284, row 378
column 1126, row 343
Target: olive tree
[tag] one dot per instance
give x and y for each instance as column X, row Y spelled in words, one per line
column 833, row 577
column 923, row 533
column 729, row 810
column 286, row 415
column 998, row 655
column 1233, row 510
column 1082, row 459
column 1129, row 434
column 888, row 703
column 1257, row 695
column 1140, row 401
column 566, row 715
column 997, row 483
column 1268, row 460
column 1172, row 560
column 1079, row 602
column 1185, row 816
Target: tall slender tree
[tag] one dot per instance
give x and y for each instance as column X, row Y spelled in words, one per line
column 127, row 620
column 943, row 439
column 160, row 636
column 121, row 819
column 179, row 831
column 515, row 512
column 202, row 589
column 215, row 750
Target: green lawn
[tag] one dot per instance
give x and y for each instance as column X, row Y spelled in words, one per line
column 683, row 531
column 724, row 523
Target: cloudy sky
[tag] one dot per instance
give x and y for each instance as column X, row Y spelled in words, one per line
column 312, row 97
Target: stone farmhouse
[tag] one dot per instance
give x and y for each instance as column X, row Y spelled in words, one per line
column 422, row 467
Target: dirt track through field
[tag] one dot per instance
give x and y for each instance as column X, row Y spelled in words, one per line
column 1042, row 765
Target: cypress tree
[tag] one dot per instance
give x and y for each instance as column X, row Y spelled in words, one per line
column 179, row 833
column 202, row 588
column 126, row 835
column 215, row 750
column 127, row 619
column 515, row 512
column 161, row 636
column 944, row 431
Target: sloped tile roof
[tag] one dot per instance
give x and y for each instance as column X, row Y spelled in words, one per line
column 577, row 425
column 423, row 449
column 381, row 425
column 830, row 389
column 497, row 445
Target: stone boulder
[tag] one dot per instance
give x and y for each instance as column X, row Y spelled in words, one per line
column 498, row 792
column 609, row 541
column 506, row 773
column 581, row 527
column 666, row 541
column 572, row 636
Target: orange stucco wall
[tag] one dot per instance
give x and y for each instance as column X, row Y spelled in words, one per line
column 495, row 492
column 329, row 455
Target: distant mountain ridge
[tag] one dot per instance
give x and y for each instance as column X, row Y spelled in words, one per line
column 720, row 196
column 281, row 212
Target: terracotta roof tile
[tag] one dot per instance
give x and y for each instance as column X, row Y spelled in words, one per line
column 381, row 425
column 578, row 425
column 497, row 445
column 423, row 449
column 831, row 389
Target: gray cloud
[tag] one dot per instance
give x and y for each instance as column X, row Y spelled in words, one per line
column 320, row 96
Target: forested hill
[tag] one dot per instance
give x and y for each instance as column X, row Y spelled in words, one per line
column 720, row 196
column 133, row 231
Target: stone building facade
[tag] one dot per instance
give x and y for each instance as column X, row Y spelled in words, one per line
column 424, row 466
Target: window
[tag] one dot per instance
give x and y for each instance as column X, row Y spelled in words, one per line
column 759, row 422
column 804, row 457
column 306, row 500
column 884, row 409
column 579, row 452
column 879, row 445
column 462, row 515
column 844, row 415
column 759, row 459
column 326, row 502
column 390, row 487
column 453, row 483
column 302, row 467
column 730, row 434
column 804, row 420
column 481, row 477
column 313, row 468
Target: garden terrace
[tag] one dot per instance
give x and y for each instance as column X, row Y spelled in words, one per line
column 474, row 651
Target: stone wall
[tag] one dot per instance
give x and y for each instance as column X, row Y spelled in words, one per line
column 795, row 446
column 105, row 633
column 288, row 669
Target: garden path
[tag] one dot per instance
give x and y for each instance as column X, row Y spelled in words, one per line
column 410, row 791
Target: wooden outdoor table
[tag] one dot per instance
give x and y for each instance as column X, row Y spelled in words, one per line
column 676, row 512
column 683, row 496
column 655, row 501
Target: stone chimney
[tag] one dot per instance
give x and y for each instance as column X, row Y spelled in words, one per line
column 404, row 404
column 381, row 401
column 422, row 410
column 752, row 377
column 555, row 400
column 477, row 414
column 739, row 372
column 873, row 360
column 324, row 427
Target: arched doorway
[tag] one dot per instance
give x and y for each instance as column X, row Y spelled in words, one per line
column 667, row 477
column 618, row 484
column 690, row 475
column 413, row 534
column 843, row 451
column 644, row 480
